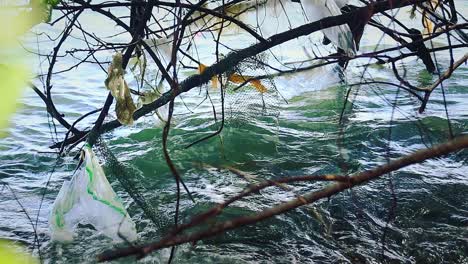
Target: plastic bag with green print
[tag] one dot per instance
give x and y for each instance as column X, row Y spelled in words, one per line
column 89, row 199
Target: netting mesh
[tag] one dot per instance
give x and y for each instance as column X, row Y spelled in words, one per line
column 247, row 96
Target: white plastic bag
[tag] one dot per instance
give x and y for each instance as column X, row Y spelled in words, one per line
column 340, row 35
column 89, row 199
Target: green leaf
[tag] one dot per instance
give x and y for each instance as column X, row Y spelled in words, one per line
column 12, row 81
column 13, row 254
column 13, row 67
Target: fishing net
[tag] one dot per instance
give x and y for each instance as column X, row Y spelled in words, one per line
column 250, row 93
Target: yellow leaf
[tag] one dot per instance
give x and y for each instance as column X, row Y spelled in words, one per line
column 427, row 23
column 214, row 80
column 259, row 86
column 201, row 68
column 236, row 78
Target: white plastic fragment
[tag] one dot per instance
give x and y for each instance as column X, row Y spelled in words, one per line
column 340, row 35
column 162, row 47
column 89, row 199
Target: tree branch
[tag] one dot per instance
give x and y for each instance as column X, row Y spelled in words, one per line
column 353, row 180
column 233, row 58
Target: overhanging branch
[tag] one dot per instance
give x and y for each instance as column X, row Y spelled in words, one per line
column 233, row 58
column 353, row 180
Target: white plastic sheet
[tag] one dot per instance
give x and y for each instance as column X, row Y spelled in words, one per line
column 340, row 35
column 89, row 199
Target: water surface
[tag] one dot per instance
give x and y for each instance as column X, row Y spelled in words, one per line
column 302, row 136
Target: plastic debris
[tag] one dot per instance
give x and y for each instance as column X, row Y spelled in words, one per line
column 118, row 87
column 162, row 47
column 340, row 35
column 89, row 199
column 148, row 97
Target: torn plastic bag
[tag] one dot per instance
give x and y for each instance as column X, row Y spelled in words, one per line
column 89, row 199
column 116, row 84
column 340, row 35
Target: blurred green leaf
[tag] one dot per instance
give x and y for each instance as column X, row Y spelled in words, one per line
column 13, row 67
column 13, row 78
column 13, row 254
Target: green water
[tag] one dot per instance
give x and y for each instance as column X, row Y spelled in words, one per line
column 301, row 137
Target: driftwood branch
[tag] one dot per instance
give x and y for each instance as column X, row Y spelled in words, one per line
column 351, row 181
column 429, row 89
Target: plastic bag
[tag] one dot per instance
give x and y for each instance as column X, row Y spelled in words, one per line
column 116, row 84
column 89, row 199
column 340, row 35
column 162, row 47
